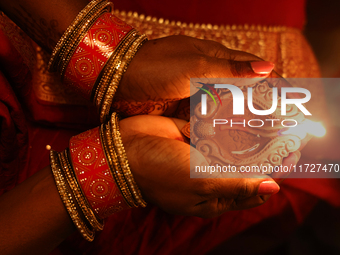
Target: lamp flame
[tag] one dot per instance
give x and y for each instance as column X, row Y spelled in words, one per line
column 306, row 127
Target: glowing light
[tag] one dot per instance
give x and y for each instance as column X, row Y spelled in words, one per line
column 304, row 128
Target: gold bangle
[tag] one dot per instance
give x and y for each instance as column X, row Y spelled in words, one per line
column 81, row 32
column 120, row 69
column 122, row 159
column 104, row 77
column 110, row 69
column 114, row 167
column 115, row 74
column 70, row 31
column 75, row 31
column 66, row 197
column 78, row 193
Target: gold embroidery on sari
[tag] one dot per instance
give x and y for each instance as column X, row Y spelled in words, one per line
column 286, row 47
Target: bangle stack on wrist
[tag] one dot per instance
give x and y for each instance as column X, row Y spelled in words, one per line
column 67, row 197
column 78, row 193
column 94, row 179
column 114, row 71
column 94, row 53
column 118, row 162
column 73, row 33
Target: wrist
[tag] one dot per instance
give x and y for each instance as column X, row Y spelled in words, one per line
column 94, row 179
column 94, row 53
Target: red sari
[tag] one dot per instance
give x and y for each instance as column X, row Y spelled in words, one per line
column 30, row 121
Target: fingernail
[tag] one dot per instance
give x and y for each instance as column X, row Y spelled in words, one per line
column 262, row 67
column 268, row 188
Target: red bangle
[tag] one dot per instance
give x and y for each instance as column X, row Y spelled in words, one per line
column 93, row 52
column 93, row 174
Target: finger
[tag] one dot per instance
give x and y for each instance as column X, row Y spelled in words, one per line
column 154, row 125
column 274, row 78
column 254, row 193
column 229, row 68
column 241, row 56
column 237, row 55
column 239, row 73
column 215, row 206
column 241, row 188
column 218, row 50
column 251, row 202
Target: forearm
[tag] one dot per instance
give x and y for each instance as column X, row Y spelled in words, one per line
column 33, row 218
column 45, row 20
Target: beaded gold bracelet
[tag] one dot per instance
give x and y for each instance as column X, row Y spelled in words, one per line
column 77, row 192
column 114, row 166
column 103, row 81
column 123, row 162
column 94, row 53
column 72, row 30
column 94, row 179
column 67, row 198
column 120, row 67
column 74, row 42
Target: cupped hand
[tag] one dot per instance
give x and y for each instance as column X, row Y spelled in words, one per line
column 161, row 70
column 160, row 163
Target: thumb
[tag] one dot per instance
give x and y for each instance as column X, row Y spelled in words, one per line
column 238, row 194
column 242, row 69
column 243, row 188
column 239, row 73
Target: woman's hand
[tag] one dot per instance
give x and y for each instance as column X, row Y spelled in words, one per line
column 160, row 162
column 161, row 70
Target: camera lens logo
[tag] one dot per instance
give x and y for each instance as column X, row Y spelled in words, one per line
column 207, row 88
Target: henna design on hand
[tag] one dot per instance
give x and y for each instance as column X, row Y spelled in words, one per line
column 183, row 110
column 126, row 109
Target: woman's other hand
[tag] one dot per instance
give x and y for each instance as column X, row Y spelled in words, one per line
column 161, row 70
column 160, row 162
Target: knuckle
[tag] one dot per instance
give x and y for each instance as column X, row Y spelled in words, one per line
column 208, row 47
column 244, row 189
column 204, row 188
column 201, row 65
column 215, row 49
column 211, row 208
column 202, row 62
column 239, row 68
